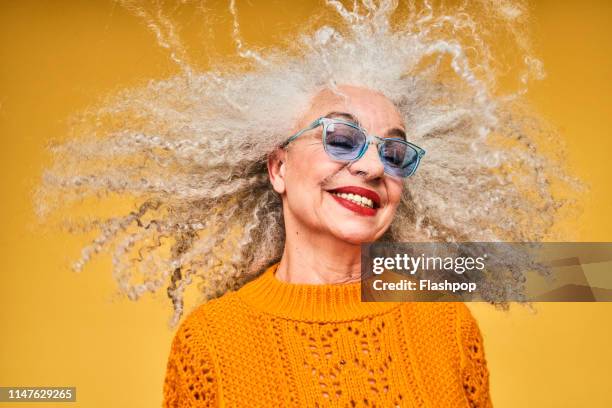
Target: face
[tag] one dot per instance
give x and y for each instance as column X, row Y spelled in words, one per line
column 314, row 187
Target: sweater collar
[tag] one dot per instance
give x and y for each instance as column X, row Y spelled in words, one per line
column 309, row 302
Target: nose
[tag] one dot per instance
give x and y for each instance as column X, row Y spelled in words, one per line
column 369, row 165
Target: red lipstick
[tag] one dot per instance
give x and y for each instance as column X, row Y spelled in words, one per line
column 359, row 209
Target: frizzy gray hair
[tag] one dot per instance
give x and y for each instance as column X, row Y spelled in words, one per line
column 191, row 150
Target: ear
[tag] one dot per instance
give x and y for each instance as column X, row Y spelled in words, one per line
column 276, row 169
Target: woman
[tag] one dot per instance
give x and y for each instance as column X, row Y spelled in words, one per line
column 239, row 188
column 299, row 334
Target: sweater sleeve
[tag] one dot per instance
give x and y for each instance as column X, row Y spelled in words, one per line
column 474, row 372
column 190, row 380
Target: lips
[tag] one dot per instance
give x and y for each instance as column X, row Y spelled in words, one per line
column 345, row 197
column 364, row 192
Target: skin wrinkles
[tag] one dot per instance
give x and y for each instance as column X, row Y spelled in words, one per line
column 322, row 237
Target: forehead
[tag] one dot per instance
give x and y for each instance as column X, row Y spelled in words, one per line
column 371, row 108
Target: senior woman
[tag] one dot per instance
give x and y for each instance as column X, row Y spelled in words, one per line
column 260, row 180
column 299, row 334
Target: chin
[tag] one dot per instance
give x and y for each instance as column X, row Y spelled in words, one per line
column 355, row 237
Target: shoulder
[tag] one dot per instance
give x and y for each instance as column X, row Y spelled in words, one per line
column 194, row 336
column 458, row 310
column 452, row 322
column 192, row 368
column 440, row 313
column 211, row 311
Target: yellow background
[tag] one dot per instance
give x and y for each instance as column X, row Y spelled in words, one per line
column 60, row 328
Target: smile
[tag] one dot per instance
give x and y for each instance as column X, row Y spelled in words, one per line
column 357, row 199
column 360, row 200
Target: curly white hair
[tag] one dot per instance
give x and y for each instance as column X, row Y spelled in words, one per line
column 191, row 150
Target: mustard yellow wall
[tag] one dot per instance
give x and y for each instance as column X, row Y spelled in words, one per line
column 62, row 328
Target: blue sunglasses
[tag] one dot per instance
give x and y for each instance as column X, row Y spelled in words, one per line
column 347, row 141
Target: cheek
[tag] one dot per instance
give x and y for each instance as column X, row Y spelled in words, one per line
column 394, row 189
column 305, row 176
column 310, row 164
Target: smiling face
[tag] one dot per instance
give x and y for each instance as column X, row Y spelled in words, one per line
column 315, row 188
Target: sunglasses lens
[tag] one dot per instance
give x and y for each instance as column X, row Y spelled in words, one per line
column 399, row 158
column 343, row 142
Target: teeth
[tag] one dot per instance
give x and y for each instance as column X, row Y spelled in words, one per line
column 357, row 199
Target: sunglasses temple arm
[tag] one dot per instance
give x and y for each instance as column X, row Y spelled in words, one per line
column 312, row 126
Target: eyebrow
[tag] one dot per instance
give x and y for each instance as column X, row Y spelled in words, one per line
column 343, row 115
column 393, row 132
column 396, row 133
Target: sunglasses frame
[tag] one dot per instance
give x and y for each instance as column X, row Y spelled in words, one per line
column 325, row 122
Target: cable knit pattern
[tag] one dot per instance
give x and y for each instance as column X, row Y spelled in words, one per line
column 275, row 344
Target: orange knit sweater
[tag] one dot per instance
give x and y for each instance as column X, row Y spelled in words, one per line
column 276, row 344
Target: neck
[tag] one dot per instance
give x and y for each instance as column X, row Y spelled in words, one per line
column 315, row 258
column 308, row 302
